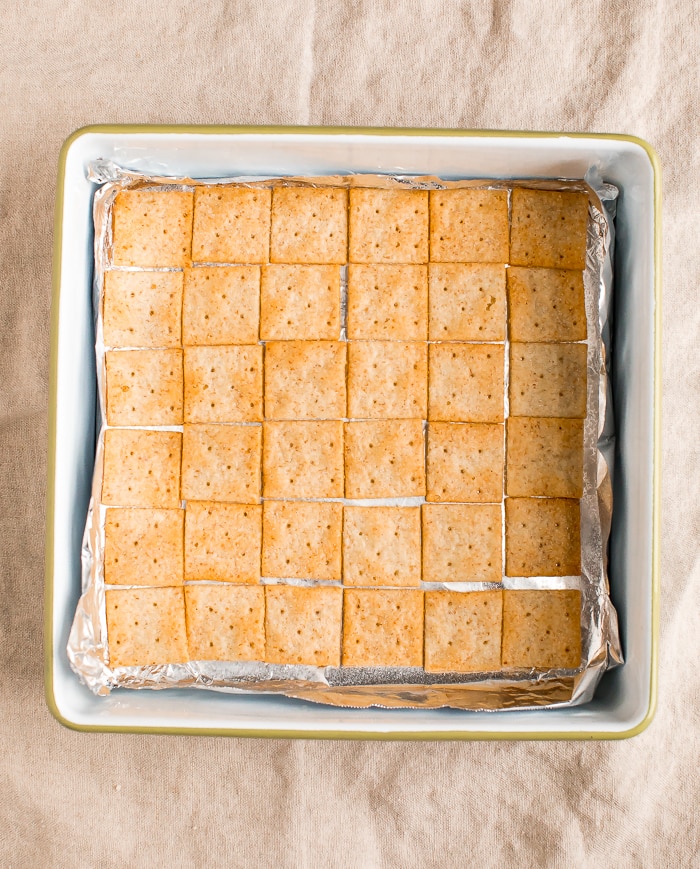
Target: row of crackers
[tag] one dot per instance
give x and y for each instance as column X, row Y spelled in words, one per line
column 463, row 462
column 246, row 303
column 363, row 546
column 318, row 380
column 332, row 225
column 440, row 631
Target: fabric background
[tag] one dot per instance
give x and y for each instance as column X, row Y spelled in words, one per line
column 77, row 800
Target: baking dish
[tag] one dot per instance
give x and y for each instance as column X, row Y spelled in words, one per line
column 625, row 700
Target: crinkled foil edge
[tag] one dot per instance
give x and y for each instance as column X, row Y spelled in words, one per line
column 388, row 687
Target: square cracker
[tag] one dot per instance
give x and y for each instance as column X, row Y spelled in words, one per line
column 463, row 631
column 543, row 537
column 303, row 625
column 548, row 228
column 144, row 387
column 300, row 301
column 467, row 302
column 309, row 225
column 546, row 305
column 383, row 628
column 303, row 459
column 221, row 305
column 388, row 302
column 305, row 379
column 548, row 380
column 469, row 226
column 144, row 547
column 224, row 384
column 541, row 629
column 462, row 543
column 152, row 228
column 223, row 542
column 141, row 468
column 387, row 380
column 544, row 457
column 221, row 463
column 142, row 309
column 146, row 626
column 465, row 462
column 225, row 622
column 381, row 546
column 302, row 539
column 465, row 382
column 388, row 226
column 384, row 459
column 231, row 225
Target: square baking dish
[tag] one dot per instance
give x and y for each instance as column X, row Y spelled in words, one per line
column 625, row 701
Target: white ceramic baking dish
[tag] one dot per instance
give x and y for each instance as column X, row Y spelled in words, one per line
column 624, row 703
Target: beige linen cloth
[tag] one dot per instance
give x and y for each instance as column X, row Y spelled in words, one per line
column 76, row 800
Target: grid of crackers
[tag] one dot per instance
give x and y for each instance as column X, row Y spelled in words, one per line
column 284, row 363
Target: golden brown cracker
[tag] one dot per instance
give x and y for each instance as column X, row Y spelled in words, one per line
column 143, row 547
column 383, row 628
column 465, row 382
column 221, row 305
column 221, row 463
column 223, row 542
column 548, row 228
column 144, row 387
column 309, row 225
column 305, row 379
column 387, row 380
column 231, row 225
column 141, row 468
column 381, row 546
column 388, row 302
column 302, row 539
column 388, row 226
column 384, row 459
column 541, row 629
column 467, row 302
column 146, row 626
column 225, row 622
column 462, row 543
column 303, row 459
column 300, row 302
column 547, row 380
column 142, row 309
column 546, row 305
column 463, row 631
column 465, row 462
column 302, row 625
column 224, row 384
column 469, row 226
column 152, row 228
column 544, row 457
column 543, row 537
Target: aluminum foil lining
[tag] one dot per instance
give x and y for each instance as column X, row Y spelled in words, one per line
column 383, row 686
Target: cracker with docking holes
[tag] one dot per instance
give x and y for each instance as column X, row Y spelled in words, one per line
column 388, row 302
column 221, row 305
column 221, row 463
column 300, row 302
column 383, row 627
column 469, row 226
column 541, row 629
column 302, row 539
column 463, row 631
column 142, row 309
column 462, row 543
column 152, row 228
column 384, row 458
column 223, row 542
column 388, row 226
column 225, row 622
column 381, row 546
column 144, row 546
column 141, row 468
column 146, row 626
column 305, row 380
column 231, row 225
column 224, row 384
column 303, row 625
column 467, row 302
